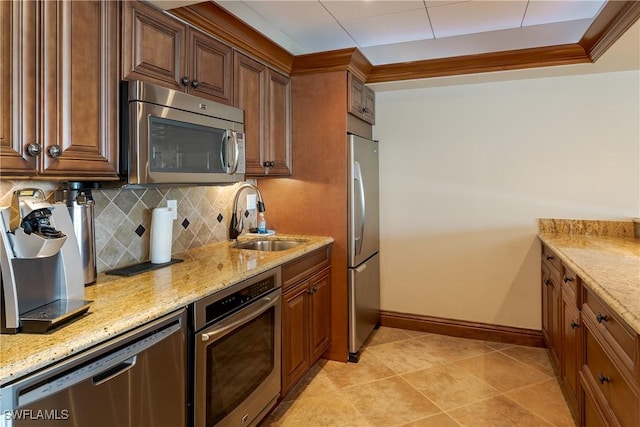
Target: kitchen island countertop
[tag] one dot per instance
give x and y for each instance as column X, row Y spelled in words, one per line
column 121, row 304
column 608, row 265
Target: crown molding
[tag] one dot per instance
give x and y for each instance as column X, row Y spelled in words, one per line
column 213, row 19
column 480, row 63
column 616, row 18
column 350, row 59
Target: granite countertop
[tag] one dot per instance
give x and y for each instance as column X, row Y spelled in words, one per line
column 124, row 303
column 608, row 265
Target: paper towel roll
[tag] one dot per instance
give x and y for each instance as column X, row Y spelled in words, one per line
column 161, row 232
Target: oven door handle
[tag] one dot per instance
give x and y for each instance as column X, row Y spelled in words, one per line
column 223, row 326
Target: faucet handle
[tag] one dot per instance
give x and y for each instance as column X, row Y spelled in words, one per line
column 240, row 223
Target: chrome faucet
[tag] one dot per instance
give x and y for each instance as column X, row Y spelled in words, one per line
column 235, row 227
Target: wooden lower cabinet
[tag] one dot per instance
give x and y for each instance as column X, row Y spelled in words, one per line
column 306, row 326
column 571, row 360
column 551, row 306
column 595, row 352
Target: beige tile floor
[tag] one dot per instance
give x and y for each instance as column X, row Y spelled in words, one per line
column 413, row 379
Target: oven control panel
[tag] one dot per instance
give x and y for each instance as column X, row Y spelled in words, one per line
column 231, row 303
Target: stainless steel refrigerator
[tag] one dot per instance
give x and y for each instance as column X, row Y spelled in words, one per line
column 363, row 242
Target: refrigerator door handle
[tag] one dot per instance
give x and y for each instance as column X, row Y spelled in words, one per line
column 361, row 268
column 358, row 177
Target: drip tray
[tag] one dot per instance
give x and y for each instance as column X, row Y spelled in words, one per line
column 143, row 267
column 52, row 315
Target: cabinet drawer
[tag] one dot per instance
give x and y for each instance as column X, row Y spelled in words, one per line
column 305, row 266
column 614, row 329
column 550, row 257
column 617, row 390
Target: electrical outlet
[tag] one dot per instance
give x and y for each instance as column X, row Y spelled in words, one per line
column 251, row 202
column 173, row 206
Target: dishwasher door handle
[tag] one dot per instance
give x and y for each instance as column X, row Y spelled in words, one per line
column 114, row 371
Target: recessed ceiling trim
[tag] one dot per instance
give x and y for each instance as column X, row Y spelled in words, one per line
column 616, row 18
column 480, row 63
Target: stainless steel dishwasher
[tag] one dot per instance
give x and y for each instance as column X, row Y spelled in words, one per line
column 137, row 379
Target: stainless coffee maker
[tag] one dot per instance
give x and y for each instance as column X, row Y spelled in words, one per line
column 40, row 266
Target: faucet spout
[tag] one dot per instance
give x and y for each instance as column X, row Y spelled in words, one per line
column 235, row 227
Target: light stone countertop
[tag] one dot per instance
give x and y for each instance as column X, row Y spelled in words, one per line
column 608, row 265
column 124, row 303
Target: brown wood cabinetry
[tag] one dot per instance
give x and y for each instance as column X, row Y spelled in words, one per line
column 598, row 353
column 162, row 50
column 61, row 120
column 306, row 319
column 265, row 97
column 362, row 100
column 551, row 307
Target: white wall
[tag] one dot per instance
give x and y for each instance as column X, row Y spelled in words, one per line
column 467, row 170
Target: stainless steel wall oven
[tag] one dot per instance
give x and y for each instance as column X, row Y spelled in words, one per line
column 237, row 352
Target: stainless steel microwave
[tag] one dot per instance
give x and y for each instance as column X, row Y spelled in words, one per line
column 170, row 137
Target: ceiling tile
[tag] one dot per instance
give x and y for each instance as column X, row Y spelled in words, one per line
column 349, row 10
column 492, row 41
column 545, row 12
column 476, row 17
column 293, row 16
column 393, row 28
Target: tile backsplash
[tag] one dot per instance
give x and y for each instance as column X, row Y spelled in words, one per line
column 123, row 218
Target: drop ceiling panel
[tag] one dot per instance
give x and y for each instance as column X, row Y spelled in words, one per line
column 545, row 12
column 350, row 10
column 492, row 41
column 393, row 28
column 476, row 17
column 294, row 16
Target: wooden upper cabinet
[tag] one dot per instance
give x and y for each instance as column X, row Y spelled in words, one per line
column 278, row 144
column 210, row 67
column 64, row 90
column 17, row 89
column 153, row 46
column 361, row 100
column 162, row 50
column 265, row 97
column 249, row 95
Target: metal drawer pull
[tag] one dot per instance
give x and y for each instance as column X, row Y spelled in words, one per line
column 550, row 257
column 567, row 279
column 602, row 318
column 548, row 282
column 604, row 379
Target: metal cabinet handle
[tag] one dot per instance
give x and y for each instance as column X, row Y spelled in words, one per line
column 603, row 378
column 548, row 282
column 550, row 257
column 34, row 149
column 195, row 83
column 55, row 151
column 185, row 81
column 602, row 318
column 574, row 324
column 567, row 279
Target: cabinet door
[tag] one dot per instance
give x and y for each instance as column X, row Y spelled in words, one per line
column 18, row 103
column 153, row 46
column 571, row 348
column 295, row 335
column 210, row 67
column 278, row 144
column 355, row 96
column 249, row 94
column 320, row 313
column 551, row 313
column 80, row 88
column 369, row 107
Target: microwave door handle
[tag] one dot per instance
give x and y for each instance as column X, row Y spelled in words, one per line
column 236, row 153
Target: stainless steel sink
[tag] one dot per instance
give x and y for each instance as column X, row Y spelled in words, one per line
column 268, row 245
